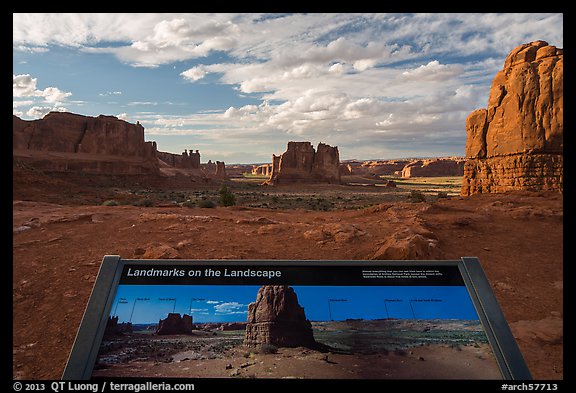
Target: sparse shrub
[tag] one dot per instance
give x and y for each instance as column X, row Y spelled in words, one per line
column 275, row 199
column 417, row 196
column 206, row 204
column 442, row 194
column 188, row 203
column 146, row 202
column 110, row 202
column 227, row 198
column 268, row 349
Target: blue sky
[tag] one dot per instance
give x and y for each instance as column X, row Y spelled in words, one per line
column 229, row 303
column 238, row 87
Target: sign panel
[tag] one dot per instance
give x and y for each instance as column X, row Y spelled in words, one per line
column 316, row 320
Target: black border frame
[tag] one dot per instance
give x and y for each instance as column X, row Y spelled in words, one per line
column 90, row 333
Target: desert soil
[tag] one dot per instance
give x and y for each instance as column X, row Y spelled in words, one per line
column 58, row 247
column 425, row 362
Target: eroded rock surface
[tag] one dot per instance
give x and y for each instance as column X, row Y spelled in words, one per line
column 300, row 163
column 517, row 142
column 276, row 318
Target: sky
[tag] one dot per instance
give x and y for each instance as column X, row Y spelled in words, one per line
column 143, row 304
column 238, row 87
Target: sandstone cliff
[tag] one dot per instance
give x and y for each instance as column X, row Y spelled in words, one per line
column 183, row 161
column 517, row 142
column 302, row 164
column 434, row 167
column 276, row 318
column 69, row 142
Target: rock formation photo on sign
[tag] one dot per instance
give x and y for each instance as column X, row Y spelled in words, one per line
column 174, row 323
column 517, row 142
column 276, row 318
column 300, row 163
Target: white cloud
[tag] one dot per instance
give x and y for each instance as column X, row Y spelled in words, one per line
column 123, row 116
column 37, row 112
column 23, row 85
column 195, row 73
column 433, row 71
column 110, row 93
column 230, row 308
column 53, row 94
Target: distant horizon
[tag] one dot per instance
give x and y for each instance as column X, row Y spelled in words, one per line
column 277, row 153
column 237, row 87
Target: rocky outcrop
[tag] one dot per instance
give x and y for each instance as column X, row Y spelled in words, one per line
column 517, row 142
column 380, row 167
column 183, row 161
column 434, row 168
column 74, row 143
column 113, row 328
column 302, row 164
column 220, row 170
column 214, row 170
column 276, row 318
column 175, row 324
column 262, row 170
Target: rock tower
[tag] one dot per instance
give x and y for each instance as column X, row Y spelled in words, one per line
column 517, row 142
column 276, row 318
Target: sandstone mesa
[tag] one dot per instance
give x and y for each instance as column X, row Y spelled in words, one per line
column 68, row 142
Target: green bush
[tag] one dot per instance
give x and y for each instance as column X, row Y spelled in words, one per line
column 417, row 196
column 268, row 349
column 188, row 203
column 442, row 194
column 144, row 202
column 206, row 204
column 227, row 198
column 110, row 202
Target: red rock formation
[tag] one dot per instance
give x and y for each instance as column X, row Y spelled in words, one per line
column 517, row 142
column 434, row 168
column 383, row 167
column 183, row 161
column 69, row 142
column 262, row 170
column 175, row 324
column 301, row 163
column 220, row 170
column 276, row 318
column 113, row 328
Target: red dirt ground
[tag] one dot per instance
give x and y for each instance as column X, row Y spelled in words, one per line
column 517, row 236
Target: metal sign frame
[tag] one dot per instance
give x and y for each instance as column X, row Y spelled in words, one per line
column 91, row 331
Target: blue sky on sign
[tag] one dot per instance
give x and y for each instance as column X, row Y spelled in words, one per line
column 229, row 303
column 238, row 87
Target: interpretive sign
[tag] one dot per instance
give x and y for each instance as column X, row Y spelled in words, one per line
column 272, row 319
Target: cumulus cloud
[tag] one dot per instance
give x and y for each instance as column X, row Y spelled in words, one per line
column 433, row 71
column 25, row 86
column 195, row 73
column 37, row 112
